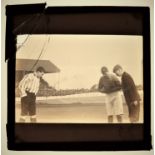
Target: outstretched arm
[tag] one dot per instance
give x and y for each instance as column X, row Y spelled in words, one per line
column 118, row 85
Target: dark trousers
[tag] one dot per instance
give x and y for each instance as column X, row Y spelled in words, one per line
column 134, row 111
column 28, row 104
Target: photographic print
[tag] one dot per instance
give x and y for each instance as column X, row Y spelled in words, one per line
column 79, row 79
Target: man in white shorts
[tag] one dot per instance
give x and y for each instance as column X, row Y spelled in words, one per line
column 111, row 86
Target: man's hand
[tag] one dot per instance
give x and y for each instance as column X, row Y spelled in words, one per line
column 135, row 103
column 23, row 95
column 102, row 89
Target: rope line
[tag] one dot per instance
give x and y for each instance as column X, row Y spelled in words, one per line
column 23, row 43
column 42, row 50
column 34, row 27
column 23, row 23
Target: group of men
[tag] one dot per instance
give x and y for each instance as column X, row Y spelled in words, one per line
column 108, row 84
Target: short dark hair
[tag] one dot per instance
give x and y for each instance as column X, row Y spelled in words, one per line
column 40, row 69
column 117, row 67
column 104, row 69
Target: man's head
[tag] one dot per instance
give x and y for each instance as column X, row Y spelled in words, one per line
column 118, row 70
column 104, row 70
column 40, row 72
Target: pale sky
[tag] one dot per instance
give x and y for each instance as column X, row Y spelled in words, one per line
column 80, row 57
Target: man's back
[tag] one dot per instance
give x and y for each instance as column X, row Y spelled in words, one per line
column 129, row 88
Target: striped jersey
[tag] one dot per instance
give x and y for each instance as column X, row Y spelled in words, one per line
column 29, row 83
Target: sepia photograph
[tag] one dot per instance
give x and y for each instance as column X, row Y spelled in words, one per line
column 79, row 79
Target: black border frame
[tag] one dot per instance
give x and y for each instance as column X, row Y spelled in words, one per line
column 87, row 20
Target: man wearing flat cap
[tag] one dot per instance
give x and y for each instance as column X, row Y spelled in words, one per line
column 130, row 93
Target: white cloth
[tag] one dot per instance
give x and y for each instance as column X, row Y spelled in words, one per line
column 29, row 83
column 114, row 104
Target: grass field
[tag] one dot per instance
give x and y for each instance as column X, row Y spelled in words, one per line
column 79, row 108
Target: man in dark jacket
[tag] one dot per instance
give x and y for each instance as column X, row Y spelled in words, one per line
column 130, row 92
column 110, row 86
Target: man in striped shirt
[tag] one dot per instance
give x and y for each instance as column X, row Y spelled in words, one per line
column 29, row 87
